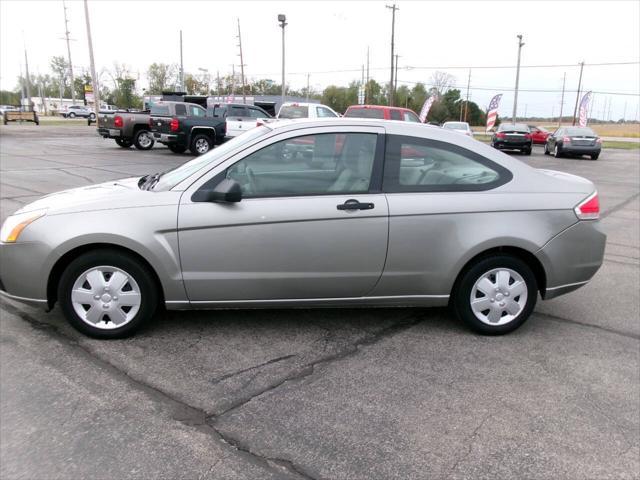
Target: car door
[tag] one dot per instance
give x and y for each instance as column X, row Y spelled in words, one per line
column 551, row 141
column 306, row 228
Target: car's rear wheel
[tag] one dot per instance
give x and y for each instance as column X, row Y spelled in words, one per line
column 143, row 140
column 527, row 151
column 107, row 294
column 495, row 295
column 92, row 116
column 201, row 144
column 546, row 149
column 123, row 143
column 176, row 148
column 594, row 156
column 72, row 115
column 557, row 152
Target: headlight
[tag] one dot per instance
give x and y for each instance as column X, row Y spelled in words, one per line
column 15, row 224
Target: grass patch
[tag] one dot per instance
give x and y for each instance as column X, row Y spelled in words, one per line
column 622, row 145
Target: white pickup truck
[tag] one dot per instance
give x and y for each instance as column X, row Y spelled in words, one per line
column 293, row 110
column 239, row 117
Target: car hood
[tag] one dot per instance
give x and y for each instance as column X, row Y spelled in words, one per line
column 109, row 195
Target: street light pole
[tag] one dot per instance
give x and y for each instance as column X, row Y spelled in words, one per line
column 94, row 79
column 282, row 18
column 575, row 109
column 515, row 97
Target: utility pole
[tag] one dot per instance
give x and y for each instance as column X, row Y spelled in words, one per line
column 624, row 115
column 27, row 81
column 525, row 111
column 244, row 93
column 393, row 31
column 282, row 18
column 94, row 78
column 218, row 84
column 575, row 109
column 515, row 97
column 181, row 66
column 366, row 85
column 466, row 103
column 66, row 34
column 395, row 80
column 233, row 82
column 609, row 114
column 308, row 75
column 564, row 79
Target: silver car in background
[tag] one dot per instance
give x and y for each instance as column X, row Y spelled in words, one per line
column 384, row 213
column 460, row 127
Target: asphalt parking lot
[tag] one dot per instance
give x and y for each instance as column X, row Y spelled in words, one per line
column 323, row 394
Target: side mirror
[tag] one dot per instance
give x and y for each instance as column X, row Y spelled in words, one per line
column 227, row 191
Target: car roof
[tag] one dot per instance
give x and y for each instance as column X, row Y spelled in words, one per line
column 379, row 107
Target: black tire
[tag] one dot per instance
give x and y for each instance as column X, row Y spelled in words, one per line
column 557, row 152
column 72, row 115
column 109, row 259
column 201, row 144
column 527, row 151
column 92, row 117
column 142, row 143
column 546, row 149
column 177, row 148
column 461, row 298
column 123, row 143
column 594, row 156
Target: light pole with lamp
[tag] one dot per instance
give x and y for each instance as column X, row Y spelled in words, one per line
column 283, row 23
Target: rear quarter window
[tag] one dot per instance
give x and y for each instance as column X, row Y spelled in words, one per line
column 159, row 109
column 414, row 164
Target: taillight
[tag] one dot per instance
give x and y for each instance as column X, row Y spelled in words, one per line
column 527, row 136
column 598, row 140
column 150, row 122
column 566, row 139
column 117, row 121
column 500, row 135
column 589, row 208
column 174, row 125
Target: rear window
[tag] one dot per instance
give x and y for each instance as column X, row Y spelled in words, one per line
column 159, row 109
column 510, row 127
column 587, row 132
column 293, row 111
column 365, row 113
column 455, row 125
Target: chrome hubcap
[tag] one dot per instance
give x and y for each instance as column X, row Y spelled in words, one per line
column 106, row 297
column 202, row 146
column 144, row 139
column 499, row 296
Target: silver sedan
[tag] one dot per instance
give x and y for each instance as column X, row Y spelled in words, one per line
column 317, row 213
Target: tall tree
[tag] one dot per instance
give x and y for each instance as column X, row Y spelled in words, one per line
column 60, row 69
column 441, row 83
column 161, row 77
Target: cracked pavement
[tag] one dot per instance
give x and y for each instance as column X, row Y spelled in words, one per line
column 322, row 394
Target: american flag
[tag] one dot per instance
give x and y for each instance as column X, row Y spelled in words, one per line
column 492, row 113
column 426, row 107
column 584, row 107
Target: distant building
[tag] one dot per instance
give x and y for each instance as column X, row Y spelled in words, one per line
column 52, row 104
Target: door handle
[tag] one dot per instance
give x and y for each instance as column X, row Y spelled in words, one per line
column 353, row 204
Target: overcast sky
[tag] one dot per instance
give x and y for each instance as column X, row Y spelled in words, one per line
column 334, row 36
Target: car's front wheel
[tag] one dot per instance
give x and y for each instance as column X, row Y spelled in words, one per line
column 495, row 295
column 546, row 149
column 72, row 115
column 107, row 294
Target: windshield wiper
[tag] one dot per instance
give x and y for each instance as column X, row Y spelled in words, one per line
column 148, row 181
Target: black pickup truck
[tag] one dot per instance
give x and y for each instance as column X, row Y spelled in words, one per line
column 181, row 125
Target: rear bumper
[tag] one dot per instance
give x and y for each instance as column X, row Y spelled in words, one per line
column 572, row 258
column 165, row 137
column 581, row 150
column 109, row 132
column 502, row 145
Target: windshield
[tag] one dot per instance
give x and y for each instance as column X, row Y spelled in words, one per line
column 455, row 125
column 171, row 178
column 575, row 132
column 359, row 112
column 293, row 111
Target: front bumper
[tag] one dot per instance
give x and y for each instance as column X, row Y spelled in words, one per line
column 572, row 257
column 24, row 273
